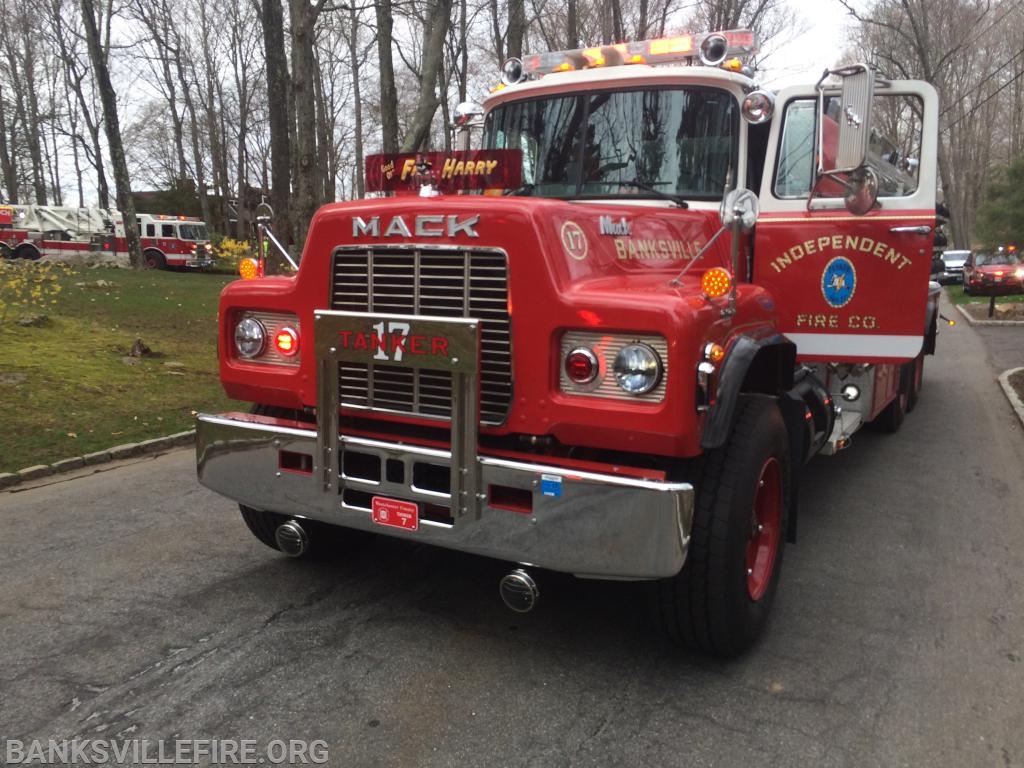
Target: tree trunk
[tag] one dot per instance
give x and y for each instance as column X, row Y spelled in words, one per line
column 433, row 56
column 6, row 157
column 278, row 88
column 327, row 164
column 109, row 100
column 516, row 27
column 307, row 197
column 388, row 91
column 359, row 187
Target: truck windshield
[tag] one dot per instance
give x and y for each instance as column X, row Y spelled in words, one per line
column 193, row 232
column 677, row 141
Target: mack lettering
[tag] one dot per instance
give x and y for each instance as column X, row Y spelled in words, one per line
column 424, row 225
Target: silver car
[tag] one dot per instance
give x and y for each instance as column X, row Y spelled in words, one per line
column 953, row 267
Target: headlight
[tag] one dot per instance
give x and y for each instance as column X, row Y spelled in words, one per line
column 250, row 337
column 637, row 369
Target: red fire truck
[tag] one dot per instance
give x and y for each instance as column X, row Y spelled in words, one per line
column 619, row 367
column 35, row 231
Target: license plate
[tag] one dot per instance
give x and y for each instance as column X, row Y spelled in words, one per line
column 396, row 513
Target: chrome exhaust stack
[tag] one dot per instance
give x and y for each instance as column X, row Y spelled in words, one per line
column 292, row 539
column 519, row 591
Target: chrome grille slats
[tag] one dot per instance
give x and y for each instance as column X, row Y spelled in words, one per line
column 436, row 280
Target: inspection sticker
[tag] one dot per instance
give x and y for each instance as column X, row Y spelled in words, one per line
column 551, row 485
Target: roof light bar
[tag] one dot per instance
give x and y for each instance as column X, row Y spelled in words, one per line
column 665, row 50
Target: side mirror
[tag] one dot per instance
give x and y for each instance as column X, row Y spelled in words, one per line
column 854, row 116
column 861, row 191
column 467, row 115
column 739, row 209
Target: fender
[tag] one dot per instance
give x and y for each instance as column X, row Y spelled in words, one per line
column 765, row 364
column 762, row 363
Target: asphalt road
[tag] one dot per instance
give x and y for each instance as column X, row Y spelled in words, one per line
column 134, row 604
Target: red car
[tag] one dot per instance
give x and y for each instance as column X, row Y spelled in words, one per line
column 994, row 272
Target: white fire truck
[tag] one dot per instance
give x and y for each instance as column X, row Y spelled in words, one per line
column 618, row 368
column 37, row 231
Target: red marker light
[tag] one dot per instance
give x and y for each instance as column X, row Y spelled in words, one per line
column 581, row 366
column 286, row 341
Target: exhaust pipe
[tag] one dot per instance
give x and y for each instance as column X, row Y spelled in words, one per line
column 519, row 591
column 291, row 539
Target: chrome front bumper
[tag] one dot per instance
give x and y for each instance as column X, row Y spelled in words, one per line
column 590, row 524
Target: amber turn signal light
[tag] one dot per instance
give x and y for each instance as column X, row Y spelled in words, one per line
column 716, row 282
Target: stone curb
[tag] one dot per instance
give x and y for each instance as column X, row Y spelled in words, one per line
column 126, row 451
column 971, row 321
column 1011, row 394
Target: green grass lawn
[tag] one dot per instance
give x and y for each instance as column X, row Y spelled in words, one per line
column 957, row 296
column 69, row 387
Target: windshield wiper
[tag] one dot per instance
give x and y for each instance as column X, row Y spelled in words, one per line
column 655, row 191
column 526, row 190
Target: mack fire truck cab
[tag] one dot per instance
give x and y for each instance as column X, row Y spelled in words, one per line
column 605, row 343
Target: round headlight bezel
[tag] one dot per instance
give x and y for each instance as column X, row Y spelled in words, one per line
column 250, row 338
column 637, row 369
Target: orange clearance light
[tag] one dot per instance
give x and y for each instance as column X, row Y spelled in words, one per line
column 286, row 341
column 248, row 269
column 714, row 353
column 732, row 65
column 716, row 282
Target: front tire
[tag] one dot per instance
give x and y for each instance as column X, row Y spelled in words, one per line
column 154, row 260
column 719, row 602
column 916, row 382
column 892, row 416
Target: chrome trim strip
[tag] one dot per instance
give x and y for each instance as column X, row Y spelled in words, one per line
column 586, row 523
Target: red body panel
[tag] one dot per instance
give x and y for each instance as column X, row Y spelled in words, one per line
column 870, row 310
column 564, row 274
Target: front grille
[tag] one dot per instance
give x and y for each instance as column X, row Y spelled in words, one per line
column 444, row 282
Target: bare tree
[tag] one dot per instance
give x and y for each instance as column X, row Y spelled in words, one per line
column 98, row 57
column 386, row 65
column 278, row 88
column 937, row 40
column 434, row 33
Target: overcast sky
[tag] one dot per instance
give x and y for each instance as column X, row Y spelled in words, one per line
column 810, row 53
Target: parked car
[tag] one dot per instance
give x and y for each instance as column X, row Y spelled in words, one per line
column 994, row 272
column 952, row 267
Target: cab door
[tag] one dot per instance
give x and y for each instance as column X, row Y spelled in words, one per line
column 850, row 287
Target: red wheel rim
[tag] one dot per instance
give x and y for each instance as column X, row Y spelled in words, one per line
column 766, row 522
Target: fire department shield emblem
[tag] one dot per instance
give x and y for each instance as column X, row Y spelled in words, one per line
column 838, row 282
